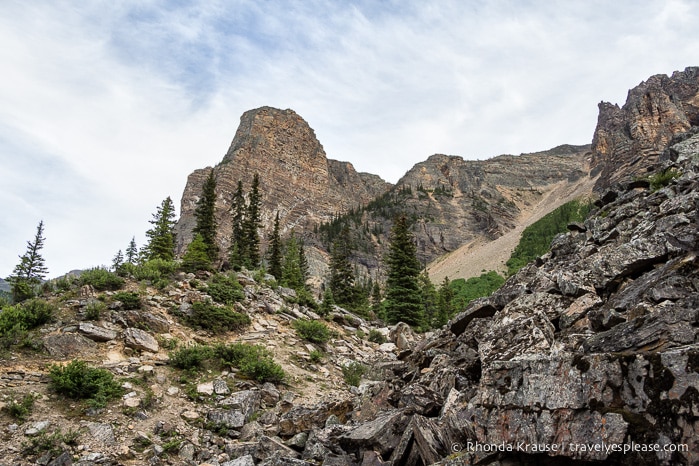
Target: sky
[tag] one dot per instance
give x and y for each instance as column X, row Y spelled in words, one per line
column 106, row 107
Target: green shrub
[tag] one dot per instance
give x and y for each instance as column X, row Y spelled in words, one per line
column 662, row 179
column 16, row 320
column 254, row 361
column 353, row 372
column 66, row 282
column 128, row 299
column 79, row 381
column 154, row 270
column 376, row 337
column 316, row 356
column 52, row 443
column 312, row 330
column 20, row 410
column 191, row 357
column 208, row 316
column 95, row 309
column 101, row 279
column 225, row 289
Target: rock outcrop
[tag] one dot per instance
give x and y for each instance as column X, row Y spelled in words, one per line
column 296, row 178
column 629, row 140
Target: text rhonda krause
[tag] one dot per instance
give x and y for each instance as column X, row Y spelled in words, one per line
column 606, row 448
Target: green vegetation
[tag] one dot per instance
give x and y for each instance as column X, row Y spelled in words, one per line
column 30, row 271
column 316, row 356
column 353, row 372
column 225, row 289
column 275, row 251
column 536, row 238
column 21, row 409
column 376, row 337
column 208, row 316
column 52, row 443
column 79, row 381
column 17, row 320
column 206, row 220
column 254, row 361
column 95, row 309
column 197, row 256
column 251, row 225
column 236, row 249
column 465, row 291
column 128, row 299
column 312, row 330
column 101, row 279
column 662, row 179
column 403, row 296
column 161, row 238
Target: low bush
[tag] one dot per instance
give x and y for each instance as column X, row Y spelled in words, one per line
column 312, row 330
column 21, row 409
column 154, row 270
column 16, row 320
column 101, row 279
column 225, row 289
column 128, row 299
column 353, row 372
column 208, row 316
column 316, row 356
column 254, row 361
column 376, row 337
column 191, row 357
column 79, row 381
column 95, row 309
column 53, row 443
column 663, row 178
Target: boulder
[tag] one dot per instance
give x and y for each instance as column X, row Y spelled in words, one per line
column 140, row 340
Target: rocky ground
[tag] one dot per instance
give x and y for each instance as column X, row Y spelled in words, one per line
column 167, row 416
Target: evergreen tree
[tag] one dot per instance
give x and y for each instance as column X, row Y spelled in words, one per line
column 132, row 252
column 303, row 262
column 403, row 300
column 161, row 244
column 197, row 255
column 275, row 251
column 341, row 273
column 326, row 306
column 292, row 275
column 205, row 216
column 445, row 304
column 31, row 270
column 237, row 248
column 251, row 225
column 118, row 261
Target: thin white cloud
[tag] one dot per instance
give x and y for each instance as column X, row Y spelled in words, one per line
column 124, row 99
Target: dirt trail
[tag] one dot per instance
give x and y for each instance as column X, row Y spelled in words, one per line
column 481, row 255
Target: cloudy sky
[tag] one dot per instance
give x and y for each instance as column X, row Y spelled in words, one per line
column 106, row 107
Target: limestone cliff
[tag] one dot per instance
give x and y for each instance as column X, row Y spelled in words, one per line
column 296, row 178
column 629, row 139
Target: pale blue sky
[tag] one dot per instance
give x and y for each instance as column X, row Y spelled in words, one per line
column 106, row 107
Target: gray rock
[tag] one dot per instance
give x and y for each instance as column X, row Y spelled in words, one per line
column 101, row 432
column 140, row 340
column 245, row 460
column 246, row 401
column 96, row 332
column 36, row 428
column 68, row 345
column 229, row 419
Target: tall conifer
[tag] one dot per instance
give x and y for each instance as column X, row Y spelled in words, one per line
column 251, row 225
column 31, row 268
column 161, row 238
column 275, row 251
column 205, row 216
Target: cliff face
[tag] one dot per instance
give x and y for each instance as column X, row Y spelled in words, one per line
column 296, row 178
column 629, row 139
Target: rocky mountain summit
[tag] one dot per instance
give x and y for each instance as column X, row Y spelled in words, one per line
column 630, row 139
column 296, row 178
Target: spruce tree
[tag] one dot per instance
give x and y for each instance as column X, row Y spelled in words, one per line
column 118, row 261
column 197, row 255
column 403, row 300
column 275, row 251
column 251, row 225
column 205, row 216
column 132, row 252
column 341, row 273
column 445, row 305
column 237, row 247
column 376, row 306
column 31, row 270
column 292, row 275
column 161, row 238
